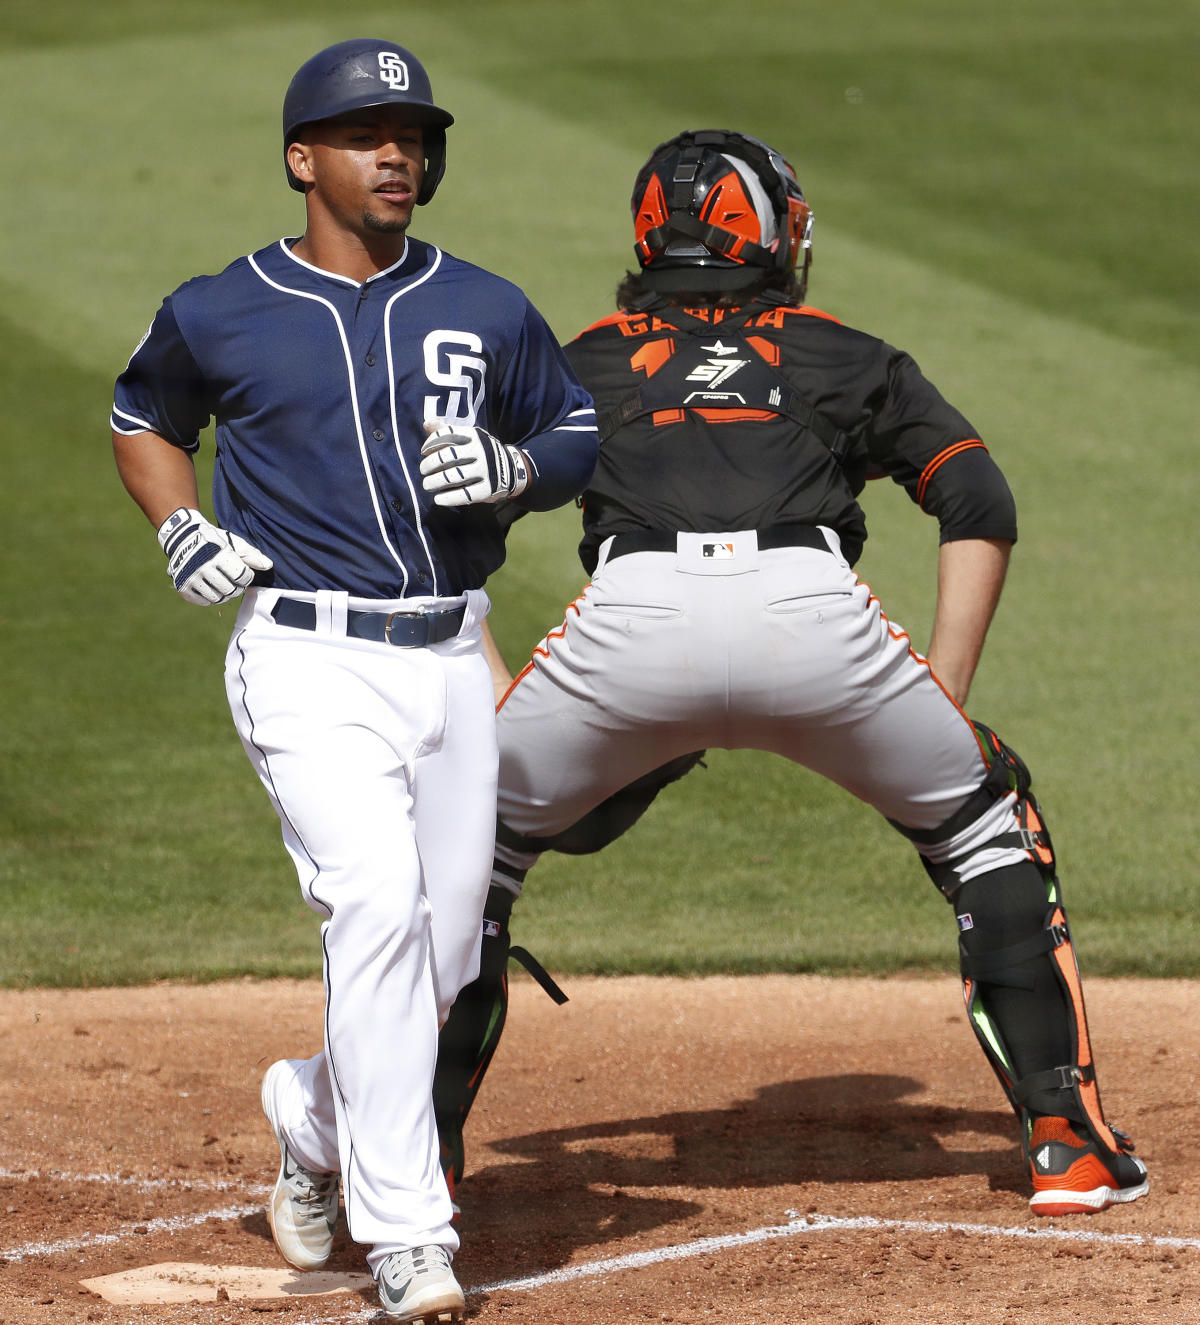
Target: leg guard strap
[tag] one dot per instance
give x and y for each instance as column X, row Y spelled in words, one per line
column 995, row 965
column 1057, row 1078
column 539, row 973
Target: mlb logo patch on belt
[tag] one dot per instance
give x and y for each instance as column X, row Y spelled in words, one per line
column 717, row 551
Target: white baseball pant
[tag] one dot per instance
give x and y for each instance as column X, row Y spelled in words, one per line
column 721, row 645
column 381, row 763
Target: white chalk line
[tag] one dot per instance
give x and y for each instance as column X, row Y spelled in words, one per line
column 132, row 1180
column 173, row 1224
column 822, row 1224
column 794, row 1228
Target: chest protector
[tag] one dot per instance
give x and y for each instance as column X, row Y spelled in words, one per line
column 701, row 366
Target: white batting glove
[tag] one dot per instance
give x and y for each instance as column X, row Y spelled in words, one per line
column 207, row 565
column 462, row 466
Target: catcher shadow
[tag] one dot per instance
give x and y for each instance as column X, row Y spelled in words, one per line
column 581, row 1186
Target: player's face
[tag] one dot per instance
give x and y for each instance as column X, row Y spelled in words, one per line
column 365, row 168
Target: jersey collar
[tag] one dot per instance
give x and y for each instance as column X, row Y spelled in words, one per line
column 408, row 257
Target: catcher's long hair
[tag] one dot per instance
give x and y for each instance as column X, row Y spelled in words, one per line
column 633, row 289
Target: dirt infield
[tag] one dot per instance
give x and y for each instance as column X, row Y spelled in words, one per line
column 779, row 1149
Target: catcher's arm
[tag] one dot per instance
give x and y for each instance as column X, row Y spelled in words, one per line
column 501, row 676
column 970, row 577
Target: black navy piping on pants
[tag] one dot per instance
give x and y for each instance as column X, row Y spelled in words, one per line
column 332, row 1065
column 271, row 781
column 333, row 1074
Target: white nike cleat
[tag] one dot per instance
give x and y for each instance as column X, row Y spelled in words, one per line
column 419, row 1286
column 303, row 1207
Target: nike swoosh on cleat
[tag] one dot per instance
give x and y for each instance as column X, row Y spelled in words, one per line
column 397, row 1294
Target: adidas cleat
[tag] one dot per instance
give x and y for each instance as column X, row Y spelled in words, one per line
column 1075, row 1175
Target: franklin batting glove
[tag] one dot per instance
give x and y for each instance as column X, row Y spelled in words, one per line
column 462, row 466
column 207, row 565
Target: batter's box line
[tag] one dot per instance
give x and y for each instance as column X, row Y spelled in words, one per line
column 821, row 1224
column 132, row 1180
column 795, row 1227
column 173, row 1224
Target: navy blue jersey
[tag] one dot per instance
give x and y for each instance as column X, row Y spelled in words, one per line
column 320, row 388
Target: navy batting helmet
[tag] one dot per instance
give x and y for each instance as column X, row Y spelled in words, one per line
column 715, row 210
column 355, row 74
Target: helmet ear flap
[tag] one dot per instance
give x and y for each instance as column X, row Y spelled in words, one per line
column 435, row 164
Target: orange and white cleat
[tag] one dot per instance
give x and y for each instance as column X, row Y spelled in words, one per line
column 1074, row 1175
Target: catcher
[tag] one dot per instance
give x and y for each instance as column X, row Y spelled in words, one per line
column 721, row 527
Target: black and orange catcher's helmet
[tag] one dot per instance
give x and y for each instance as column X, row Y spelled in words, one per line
column 715, row 210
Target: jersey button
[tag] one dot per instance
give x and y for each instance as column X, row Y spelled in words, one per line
column 397, row 505
column 378, row 434
column 422, row 577
column 370, row 361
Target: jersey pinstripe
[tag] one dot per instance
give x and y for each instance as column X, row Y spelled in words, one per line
column 320, row 388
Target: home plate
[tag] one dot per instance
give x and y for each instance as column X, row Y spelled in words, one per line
column 183, row 1281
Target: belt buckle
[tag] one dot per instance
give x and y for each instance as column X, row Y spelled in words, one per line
column 391, row 616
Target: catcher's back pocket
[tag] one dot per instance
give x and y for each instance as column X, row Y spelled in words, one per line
column 811, row 602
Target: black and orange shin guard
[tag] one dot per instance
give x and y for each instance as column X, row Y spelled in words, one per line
column 1024, row 997
column 1021, row 979
column 468, row 1040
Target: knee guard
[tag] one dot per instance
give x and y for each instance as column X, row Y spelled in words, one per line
column 468, row 1040
column 610, row 819
column 1021, row 980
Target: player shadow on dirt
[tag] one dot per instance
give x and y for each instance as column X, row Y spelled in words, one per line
column 582, row 1186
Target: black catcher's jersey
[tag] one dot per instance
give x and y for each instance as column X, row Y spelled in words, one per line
column 715, row 420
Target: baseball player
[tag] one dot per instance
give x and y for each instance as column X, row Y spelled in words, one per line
column 720, row 529
column 377, row 403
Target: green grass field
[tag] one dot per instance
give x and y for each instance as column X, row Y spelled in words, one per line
column 1008, row 191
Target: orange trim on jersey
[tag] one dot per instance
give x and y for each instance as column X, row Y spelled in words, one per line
column 940, row 459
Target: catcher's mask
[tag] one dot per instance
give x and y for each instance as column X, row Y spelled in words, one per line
column 714, row 210
column 363, row 72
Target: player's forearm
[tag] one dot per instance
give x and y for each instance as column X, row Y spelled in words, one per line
column 158, row 476
column 970, row 577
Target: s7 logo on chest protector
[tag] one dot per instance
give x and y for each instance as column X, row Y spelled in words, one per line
column 719, row 368
column 452, row 361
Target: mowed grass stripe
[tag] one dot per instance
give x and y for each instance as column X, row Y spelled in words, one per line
column 137, row 843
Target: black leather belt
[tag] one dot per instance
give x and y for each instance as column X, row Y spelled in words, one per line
column 406, row 630
column 664, row 540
